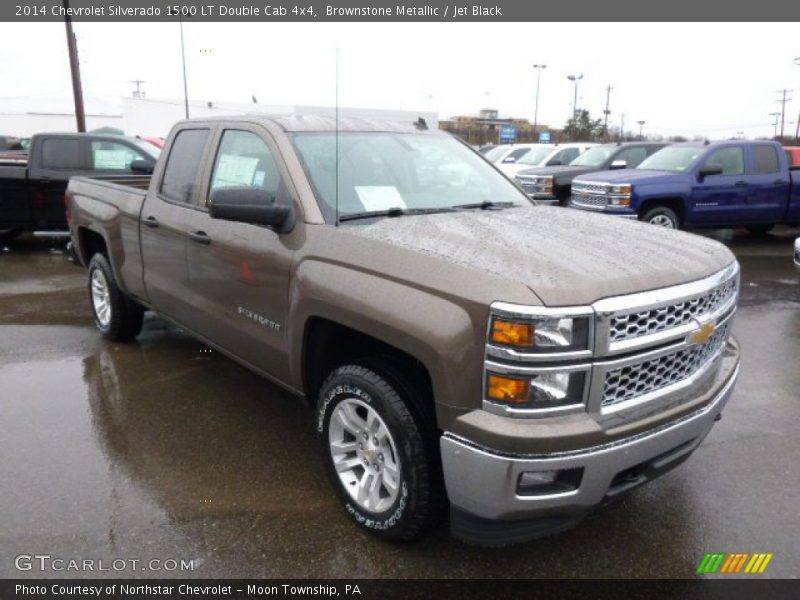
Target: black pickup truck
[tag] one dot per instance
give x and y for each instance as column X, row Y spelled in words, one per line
column 32, row 190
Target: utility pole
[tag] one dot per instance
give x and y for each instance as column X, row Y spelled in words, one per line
column 797, row 129
column 776, row 115
column 622, row 128
column 75, row 69
column 607, row 112
column 536, row 107
column 641, row 126
column 138, row 92
column 783, row 102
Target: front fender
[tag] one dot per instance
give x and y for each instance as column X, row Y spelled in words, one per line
column 435, row 330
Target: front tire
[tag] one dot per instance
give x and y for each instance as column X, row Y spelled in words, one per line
column 380, row 455
column 116, row 316
column 661, row 216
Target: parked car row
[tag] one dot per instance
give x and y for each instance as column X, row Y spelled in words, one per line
column 731, row 183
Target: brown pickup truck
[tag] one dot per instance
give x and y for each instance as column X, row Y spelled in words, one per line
column 462, row 347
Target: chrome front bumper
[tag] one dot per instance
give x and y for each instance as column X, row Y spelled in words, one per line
column 484, row 484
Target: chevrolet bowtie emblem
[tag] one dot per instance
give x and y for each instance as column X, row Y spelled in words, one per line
column 702, row 335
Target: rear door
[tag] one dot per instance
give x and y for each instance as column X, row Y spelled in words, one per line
column 722, row 199
column 166, row 220
column 239, row 272
column 770, row 184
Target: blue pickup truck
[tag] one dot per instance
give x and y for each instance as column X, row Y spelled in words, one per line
column 699, row 184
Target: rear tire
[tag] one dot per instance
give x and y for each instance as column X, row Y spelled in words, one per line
column 116, row 316
column 380, row 454
column 661, row 216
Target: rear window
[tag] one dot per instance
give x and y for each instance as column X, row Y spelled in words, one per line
column 183, row 163
column 766, row 159
column 60, row 154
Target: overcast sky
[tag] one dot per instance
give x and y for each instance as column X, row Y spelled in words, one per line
column 696, row 79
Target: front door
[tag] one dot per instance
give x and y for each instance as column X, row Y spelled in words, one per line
column 722, row 199
column 239, row 272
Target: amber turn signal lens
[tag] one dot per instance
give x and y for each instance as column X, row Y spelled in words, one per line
column 506, row 389
column 512, row 333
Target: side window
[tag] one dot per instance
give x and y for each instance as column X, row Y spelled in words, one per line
column 61, row 154
column 183, row 162
column 566, row 156
column 765, row 159
column 731, row 160
column 244, row 160
column 514, row 155
column 632, row 156
column 113, row 156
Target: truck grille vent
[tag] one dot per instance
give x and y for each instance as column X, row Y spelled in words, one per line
column 589, row 188
column 657, row 373
column 626, row 327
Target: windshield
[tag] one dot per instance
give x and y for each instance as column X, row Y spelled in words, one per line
column 673, row 158
column 594, row 157
column 536, row 155
column 496, row 153
column 383, row 171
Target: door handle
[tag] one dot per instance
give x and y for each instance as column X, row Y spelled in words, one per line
column 201, row 237
column 44, row 180
column 741, row 184
column 151, row 222
column 779, row 182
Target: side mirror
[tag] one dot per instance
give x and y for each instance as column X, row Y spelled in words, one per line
column 707, row 170
column 249, row 205
column 142, row 166
column 618, row 164
column 509, row 159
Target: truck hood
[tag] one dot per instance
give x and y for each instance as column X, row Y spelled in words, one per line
column 634, row 176
column 565, row 257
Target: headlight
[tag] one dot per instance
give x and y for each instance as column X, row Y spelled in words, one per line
column 541, row 334
column 619, row 195
column 550, row 389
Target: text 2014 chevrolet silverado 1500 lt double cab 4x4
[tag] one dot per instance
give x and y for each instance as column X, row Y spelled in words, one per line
column 458, row 343
column 696, row 184
column 32, row 190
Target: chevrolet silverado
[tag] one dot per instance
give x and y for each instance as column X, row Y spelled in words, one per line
column 461, row 347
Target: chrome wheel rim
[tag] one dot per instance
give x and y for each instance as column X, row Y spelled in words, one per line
column 662, row 221
column 364, row 455
column 101, row 298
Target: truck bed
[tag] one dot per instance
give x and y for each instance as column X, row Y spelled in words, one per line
column 98, row 205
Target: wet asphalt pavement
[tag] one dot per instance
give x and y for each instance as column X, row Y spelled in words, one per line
column 161, row 449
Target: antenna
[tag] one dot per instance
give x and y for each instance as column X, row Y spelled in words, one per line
column 336, row 135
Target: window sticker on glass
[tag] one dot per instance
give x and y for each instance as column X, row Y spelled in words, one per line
column 235, row 170
column 111, row 159
column 379, row 197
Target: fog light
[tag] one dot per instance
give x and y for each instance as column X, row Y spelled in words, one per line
column 508, row 389
column 536, row 483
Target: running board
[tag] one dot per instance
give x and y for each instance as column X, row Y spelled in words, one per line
column 53, row 234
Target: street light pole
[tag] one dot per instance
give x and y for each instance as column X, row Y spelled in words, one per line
column 607, row 112
column 185, row 84
column 641, row 126
column 575, row 79
column 536, row 106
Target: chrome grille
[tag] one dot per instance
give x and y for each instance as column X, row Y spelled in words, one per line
column 630, row 326
column 589, row 188
column 588, row 200
column 652, row 375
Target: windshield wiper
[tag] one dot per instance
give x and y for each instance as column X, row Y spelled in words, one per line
column 393, row 212
column 485, row 205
